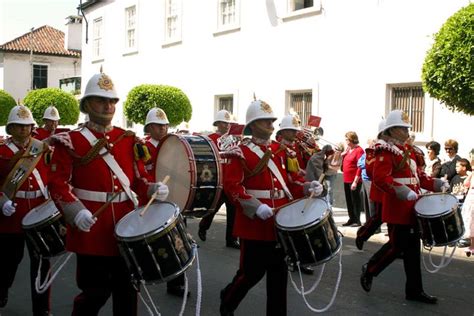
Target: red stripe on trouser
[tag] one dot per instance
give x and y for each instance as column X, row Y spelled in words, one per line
column 372, row 224
column 385, row 256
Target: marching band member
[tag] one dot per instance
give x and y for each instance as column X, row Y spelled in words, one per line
column 24, row 178
column 51, row 120
column 397, row 174
column 93, row 167
column 222, row 123
column 156, row 125
column 373, row 223
column 257, row 181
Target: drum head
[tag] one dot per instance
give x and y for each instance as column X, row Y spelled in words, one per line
column 173, row 160
column 435, row 205
column 158, row 216
column 39, row 213
column 298, row 214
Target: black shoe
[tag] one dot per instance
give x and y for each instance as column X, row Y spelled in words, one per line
column 356, row 224
column 307, row 270
column 233, row 244
column 422, row 297
column 202, row 234
column 3, row 297
column 359, row 243
column 463, row 243
column 366, row 279
column 348, row 223
column 176, row 291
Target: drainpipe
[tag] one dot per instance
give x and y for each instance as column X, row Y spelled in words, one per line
column 31, row 58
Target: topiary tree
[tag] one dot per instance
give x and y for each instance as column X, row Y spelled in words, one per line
column 448, row 70
column 6, row 104
column 170, row 99
column 67, row 105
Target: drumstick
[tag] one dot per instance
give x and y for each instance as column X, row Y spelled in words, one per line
column 105, row 205
column 153, row 196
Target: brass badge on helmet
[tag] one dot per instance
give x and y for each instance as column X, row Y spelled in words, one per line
column 53, row 112
column 296, row 121
column 105, row 83
column 405, row 118
column 227, row 116
column 265, row 107
column 161, row 114
column 23, row 113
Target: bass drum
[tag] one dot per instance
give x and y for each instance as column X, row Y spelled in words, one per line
column 307, row 232
column 193, row 165
column 155, row 246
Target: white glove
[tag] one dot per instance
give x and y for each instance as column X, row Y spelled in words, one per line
column 412, row 196
column 445, row 186
column 8, row 208
column 264, row 212
column 84, row 220
column 161, row 191
column 315, row 188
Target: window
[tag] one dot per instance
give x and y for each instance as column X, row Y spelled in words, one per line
column 130, row 28
column 173, row 21
column 225, row 102
column 40, row 76
column 71, row 85
column 97, row 39
column 228, row 14
column 301, row 102
column 411, row 100
column 295, row 5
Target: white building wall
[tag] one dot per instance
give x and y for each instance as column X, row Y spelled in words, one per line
column 17, row 72
column 347, row 54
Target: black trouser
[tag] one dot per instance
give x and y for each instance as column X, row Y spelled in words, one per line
column 403, row 239
column 372, row 224
column 206, row 221
column 258, row 258
column 353, row 201
column 12, row 246
column 99, row 277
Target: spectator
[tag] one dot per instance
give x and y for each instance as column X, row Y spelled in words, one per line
column 448, row 168
column 433, row 165
column 352, row 180
column 468, row 215
column 457, row 182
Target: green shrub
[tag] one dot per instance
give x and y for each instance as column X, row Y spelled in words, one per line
column 67, row 105
column 448, row 70
column 6, row 104
column 170, row 99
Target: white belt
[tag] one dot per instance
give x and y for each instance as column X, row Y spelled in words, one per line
column 267, row 194
column 28, row 194
column 96, row 196
column 412, row 181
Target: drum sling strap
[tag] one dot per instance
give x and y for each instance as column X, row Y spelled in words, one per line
column 273, row 168
column 113, row 165
column 25, row 165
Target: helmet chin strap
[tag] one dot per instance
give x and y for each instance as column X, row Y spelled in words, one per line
column 99, row 118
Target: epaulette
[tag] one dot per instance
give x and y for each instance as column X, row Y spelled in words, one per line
column 382, row 145
column 141, row 152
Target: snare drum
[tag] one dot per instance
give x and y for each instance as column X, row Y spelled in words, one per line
column 308, row 232
column 439, row 218
column 45, row 229
column 193, row 165
column 155, row 246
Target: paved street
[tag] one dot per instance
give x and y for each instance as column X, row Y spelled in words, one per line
column 453, row 285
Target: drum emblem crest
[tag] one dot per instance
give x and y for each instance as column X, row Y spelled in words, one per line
column 62, row 230
column 162, row 253
column 318, row 243
column 178, row 245
column 206, row 174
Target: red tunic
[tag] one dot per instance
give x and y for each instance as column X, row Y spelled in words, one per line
column 12, row 224
column 95, row 176
column 42, row 133
column 235, row 186
column 388, row 169
column 376, row 194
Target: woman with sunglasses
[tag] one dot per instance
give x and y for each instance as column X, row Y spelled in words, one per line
column 448, row 168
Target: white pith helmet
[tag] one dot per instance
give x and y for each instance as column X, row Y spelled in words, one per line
column 380, row 128
column 156, row 115
column 291, row 121
column 396, row 118
column 20, row 114
column 257, row 110
column 222, row 116
column 51, row 113
column 99, row 85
